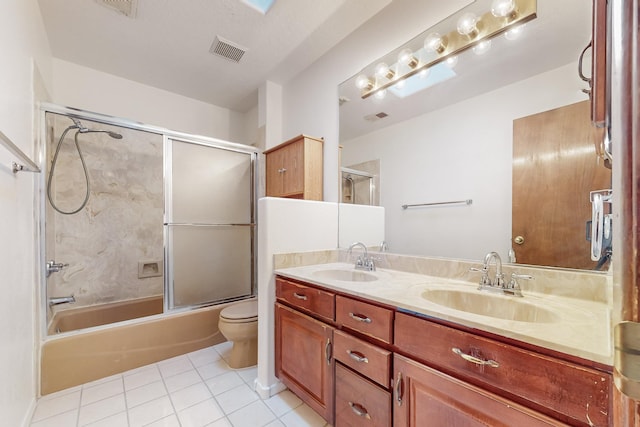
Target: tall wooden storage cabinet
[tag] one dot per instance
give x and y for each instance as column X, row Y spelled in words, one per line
column 294, row 168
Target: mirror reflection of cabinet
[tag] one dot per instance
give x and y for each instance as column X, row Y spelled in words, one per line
column 294, row 169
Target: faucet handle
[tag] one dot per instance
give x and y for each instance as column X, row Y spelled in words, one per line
column 514, row 286
column 484, row 280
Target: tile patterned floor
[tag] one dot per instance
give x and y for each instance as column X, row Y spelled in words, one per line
column 193, row 390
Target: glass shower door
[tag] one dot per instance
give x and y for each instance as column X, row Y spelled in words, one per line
column 209, row 224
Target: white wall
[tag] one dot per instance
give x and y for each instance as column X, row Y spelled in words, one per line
column 285, row 225
column 26, row 57
column 99, row 92
column 439, row 157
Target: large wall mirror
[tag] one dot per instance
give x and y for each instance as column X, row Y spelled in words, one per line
column 506, row 131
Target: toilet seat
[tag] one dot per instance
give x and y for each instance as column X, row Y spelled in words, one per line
column 241, row 312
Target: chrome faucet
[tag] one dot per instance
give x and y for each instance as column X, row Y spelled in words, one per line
column 364, row 262
column 498, row 284
column 499, row 280
column 61, row 300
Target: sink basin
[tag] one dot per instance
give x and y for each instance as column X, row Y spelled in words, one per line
column 345, row 275
column 508, row 308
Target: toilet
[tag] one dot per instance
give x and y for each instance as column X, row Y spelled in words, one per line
column 239, row 324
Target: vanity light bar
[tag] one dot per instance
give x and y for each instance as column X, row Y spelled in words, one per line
column 488, row 27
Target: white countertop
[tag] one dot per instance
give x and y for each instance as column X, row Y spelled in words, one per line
column 576, row 327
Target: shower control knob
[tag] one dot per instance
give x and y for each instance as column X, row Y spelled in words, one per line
column 518, row 240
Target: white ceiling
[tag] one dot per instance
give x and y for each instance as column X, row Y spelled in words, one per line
column 166, row 45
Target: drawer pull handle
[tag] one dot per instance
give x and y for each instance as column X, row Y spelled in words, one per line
column 473, row 359
column 359, row 410
column 300, row 296
column 360, row 318
column 358, row 357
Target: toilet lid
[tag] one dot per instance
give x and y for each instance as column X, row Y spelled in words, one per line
column 241, row 310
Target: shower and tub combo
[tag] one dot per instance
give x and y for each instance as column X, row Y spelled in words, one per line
column 147, row 235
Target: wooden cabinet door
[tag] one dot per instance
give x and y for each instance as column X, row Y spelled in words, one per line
column 304, row 360
column 274, row 176
column 425, row 397
column 294, row 168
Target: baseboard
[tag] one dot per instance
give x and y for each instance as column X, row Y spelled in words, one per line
column 266, row 392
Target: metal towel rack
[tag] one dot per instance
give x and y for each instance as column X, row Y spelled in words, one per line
column 455, row 202
column 28, row 166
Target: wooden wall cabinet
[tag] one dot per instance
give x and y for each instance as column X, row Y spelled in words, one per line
column 599, row 95
column 294, row 169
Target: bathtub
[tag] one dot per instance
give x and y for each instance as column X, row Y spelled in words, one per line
column 74, row 358
column 103, row 314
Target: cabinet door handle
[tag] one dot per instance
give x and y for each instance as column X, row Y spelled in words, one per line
column 399, row 389
column 359, row 410
column 282, row 170
column 327, row 351
column 359, row 317
column 580, row 73
column 473, row 359
column 300, row 296
column 357, row 356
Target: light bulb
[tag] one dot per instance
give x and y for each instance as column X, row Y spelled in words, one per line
column 380, row 94
column 383, row 70
column 503, row 8
column 467, row 25
column 514, row 33
column 435, row 43
column 451, row 61
column 363, row 82
column 424, row 73
column 406, row 57
column 400, row 84
column 482, row 47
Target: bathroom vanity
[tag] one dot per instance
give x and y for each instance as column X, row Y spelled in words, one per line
column 372, row 348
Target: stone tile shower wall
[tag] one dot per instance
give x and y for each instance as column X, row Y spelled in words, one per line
column 122, row 224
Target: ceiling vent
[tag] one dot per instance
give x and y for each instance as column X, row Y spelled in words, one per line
column 227, row 49
column 376, row 117
column 124, row 7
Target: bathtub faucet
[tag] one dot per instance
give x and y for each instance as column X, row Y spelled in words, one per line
column 61, row 300
column 54, row 267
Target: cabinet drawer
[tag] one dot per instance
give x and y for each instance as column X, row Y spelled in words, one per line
column 371, row 320
column 368, row 359
column 360, row 402
column 569, row 389
column 307, row 298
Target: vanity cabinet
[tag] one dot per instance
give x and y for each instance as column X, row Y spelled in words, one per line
column 363, row 363
column 425, row 396
column 577, row 394
column 363, row 368
column 304, row 361
column 294, row 169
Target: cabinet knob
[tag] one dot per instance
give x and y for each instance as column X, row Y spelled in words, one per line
column 518, row 240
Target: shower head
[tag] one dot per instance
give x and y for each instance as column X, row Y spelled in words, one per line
column 83, row 129
column 114, row 135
